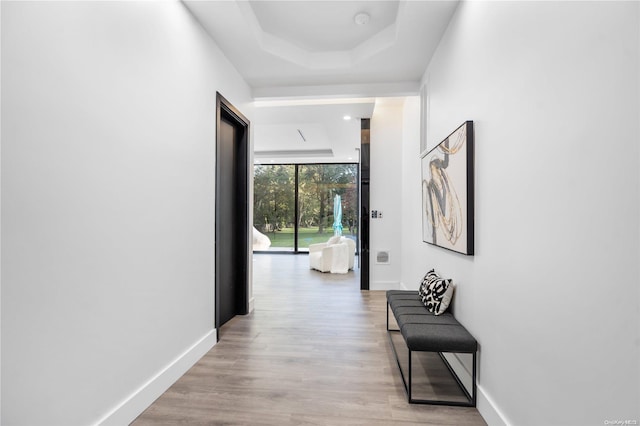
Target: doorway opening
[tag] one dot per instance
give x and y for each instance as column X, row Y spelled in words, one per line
column 232, row 213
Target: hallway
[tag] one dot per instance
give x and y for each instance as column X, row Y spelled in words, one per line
column 314, row 351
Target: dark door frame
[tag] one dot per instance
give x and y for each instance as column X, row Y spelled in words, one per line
column 365, row 172
column 225, row 110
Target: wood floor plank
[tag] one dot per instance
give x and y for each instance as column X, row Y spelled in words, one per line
column 314, row 352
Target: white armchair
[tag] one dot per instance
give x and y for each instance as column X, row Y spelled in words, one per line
column 260, row 241
column 336, row 255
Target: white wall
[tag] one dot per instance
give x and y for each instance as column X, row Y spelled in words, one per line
column 638, row 230
column 385, row 182
column 552, row 292
column 0, row 219
column 108, row 147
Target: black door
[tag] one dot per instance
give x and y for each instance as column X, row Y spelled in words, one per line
column 232, row 226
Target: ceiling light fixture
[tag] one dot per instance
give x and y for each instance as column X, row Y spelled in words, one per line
column 347, row 117
column 361, row 18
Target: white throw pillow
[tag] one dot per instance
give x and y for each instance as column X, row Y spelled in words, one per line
column 439, row 294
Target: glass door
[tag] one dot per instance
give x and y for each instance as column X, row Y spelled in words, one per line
column 274, row 204
column 295, row 205
column 320, row 213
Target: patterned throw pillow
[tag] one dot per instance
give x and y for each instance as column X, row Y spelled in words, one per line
column 422, row 290
column 438, row 295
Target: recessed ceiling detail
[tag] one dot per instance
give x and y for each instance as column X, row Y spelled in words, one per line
column 315, row 49
column 324, row 36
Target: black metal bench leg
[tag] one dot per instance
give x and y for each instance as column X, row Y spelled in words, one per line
column 387, row 316
column 409, row 398
column 388, row 329
column 474, row 386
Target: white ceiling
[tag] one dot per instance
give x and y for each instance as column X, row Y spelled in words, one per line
column 289, row 51
column 322, row 125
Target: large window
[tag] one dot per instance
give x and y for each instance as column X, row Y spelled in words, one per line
column 274, row 204
column 294, row 204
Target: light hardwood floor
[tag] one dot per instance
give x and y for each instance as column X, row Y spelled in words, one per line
column 314, row 352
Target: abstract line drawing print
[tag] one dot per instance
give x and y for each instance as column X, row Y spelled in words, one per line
column 444, row 193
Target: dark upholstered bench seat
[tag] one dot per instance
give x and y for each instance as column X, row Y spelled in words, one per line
column 425, row 332
column 412, row 316
column 437, row 338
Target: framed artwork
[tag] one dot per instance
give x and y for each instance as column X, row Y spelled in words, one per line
column 447, row 192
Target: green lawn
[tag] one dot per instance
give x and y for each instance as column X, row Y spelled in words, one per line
column 284, row 238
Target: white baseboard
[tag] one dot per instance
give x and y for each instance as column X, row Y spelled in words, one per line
column 141, row 398
column 485, row 405
column 251, row 304
column 489, row 411
column 384, row 285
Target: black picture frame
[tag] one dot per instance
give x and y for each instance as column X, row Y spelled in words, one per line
column 447, row 192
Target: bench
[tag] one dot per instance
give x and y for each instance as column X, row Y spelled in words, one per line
column 423, row 331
